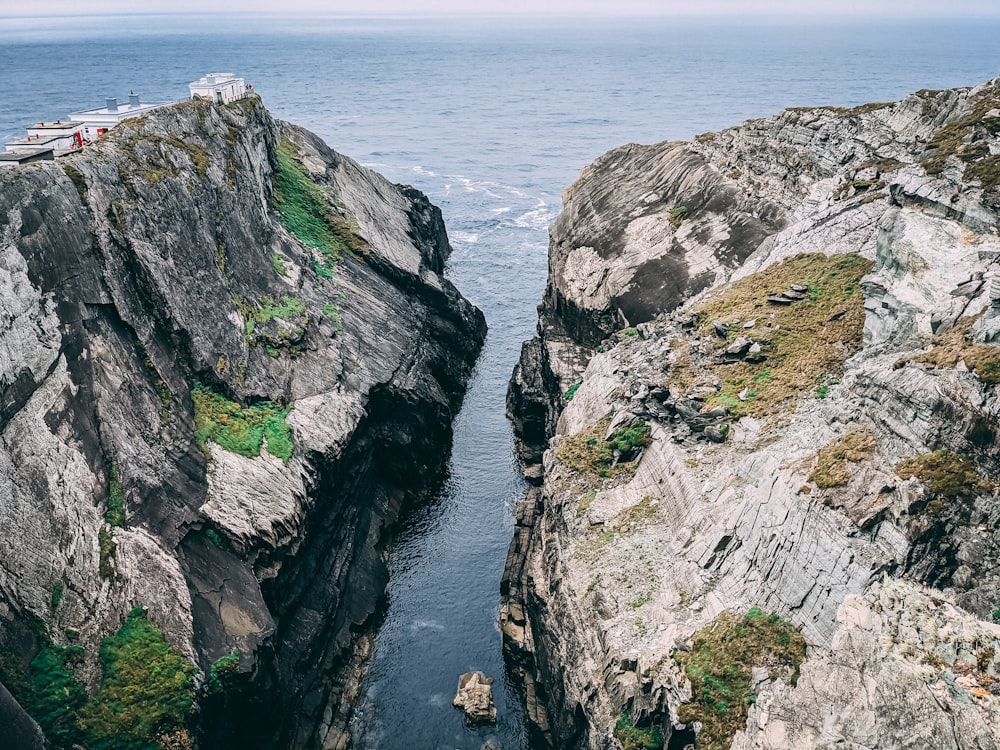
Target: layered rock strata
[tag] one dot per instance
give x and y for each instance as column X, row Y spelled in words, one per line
column 196, row 270
column 766, row 377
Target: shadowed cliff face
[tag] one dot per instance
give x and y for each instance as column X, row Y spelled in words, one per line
column 779, row 404
column 201, row 270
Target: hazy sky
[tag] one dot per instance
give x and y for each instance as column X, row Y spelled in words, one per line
column 840, row 8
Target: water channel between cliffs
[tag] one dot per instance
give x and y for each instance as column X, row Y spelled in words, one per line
column 446, row 563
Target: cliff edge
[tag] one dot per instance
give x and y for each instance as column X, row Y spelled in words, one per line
column 763, row 401
column 228, row 359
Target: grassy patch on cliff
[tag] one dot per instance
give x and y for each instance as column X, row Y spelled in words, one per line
column 588, row 450
column 157, row 162
column 106, row 550
column 954, row 346
column 221, row 669
column 801, row 343
column 288, row 319
column 945, row 473
column 632, row 737
column 146, row 691
column 833, row 462
column 52, row 695
column 79, row 181
column 241, row 430
column 720, row 666
column 965, row 138
column 287, row 309
column 305, row 211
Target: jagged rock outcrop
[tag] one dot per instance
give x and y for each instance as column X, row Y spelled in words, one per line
column 783, row 397
column 207, row 415
column 475, row 697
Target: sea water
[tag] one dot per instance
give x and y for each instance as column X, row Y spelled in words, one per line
column 492, row 118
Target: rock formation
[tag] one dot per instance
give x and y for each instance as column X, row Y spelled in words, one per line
column 228, row 358
column 765, row 387
column 475, row 697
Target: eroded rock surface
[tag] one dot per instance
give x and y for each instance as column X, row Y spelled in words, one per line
column 781, row 397
column 160, row 261
column 475, row 697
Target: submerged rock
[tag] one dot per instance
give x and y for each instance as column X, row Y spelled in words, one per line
column 475, row 698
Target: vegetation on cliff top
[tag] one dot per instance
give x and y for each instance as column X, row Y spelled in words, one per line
column 802, row 344
column 241, row 430
column 304, row 210
column 720, row 667
column 146, row 691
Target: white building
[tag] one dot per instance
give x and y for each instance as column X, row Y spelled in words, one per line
column 58, row 135
column 12, row 159
column 97, row 122
column 220, row 88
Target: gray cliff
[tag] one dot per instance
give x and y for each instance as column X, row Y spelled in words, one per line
column 153, row 275
column 765, row 386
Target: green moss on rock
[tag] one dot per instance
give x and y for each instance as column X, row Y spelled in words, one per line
column 833, row 462
column 222, row 667
column 106, row 549
column 945, row 473
column 633, row 738
column 114, row 515
column 304, row 210
column 720, row 666
column 143, row 703
column 588, row 451
column 54, row 695
column 241, row 430
column 146, row 692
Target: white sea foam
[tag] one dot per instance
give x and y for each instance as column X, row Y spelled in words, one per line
column 538, row 218
column 426, row 625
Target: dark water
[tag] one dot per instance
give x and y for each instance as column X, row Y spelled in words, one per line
column 491, row 118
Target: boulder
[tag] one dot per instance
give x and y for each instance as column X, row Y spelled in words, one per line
column 475, row 698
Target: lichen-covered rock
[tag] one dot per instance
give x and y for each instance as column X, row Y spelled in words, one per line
column 228, row 358
column 822, row 412
column 920, row 652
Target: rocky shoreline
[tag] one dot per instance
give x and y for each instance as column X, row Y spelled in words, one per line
column 228, row 359
column 764, row 387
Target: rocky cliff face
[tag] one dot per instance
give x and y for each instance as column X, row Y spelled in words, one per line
column 765, row 386
column 228, row 358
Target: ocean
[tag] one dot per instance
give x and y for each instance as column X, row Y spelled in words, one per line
column 492, row 118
